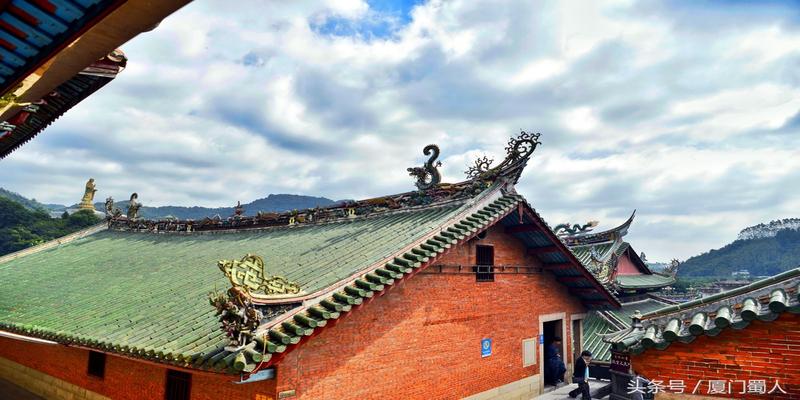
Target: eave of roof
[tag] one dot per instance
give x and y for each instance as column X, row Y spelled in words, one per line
column 33, row 119
column 93, row 29
column 612, row 234
column 32, row 34
column 601, row 322
column 763, row 300
column 643, row 281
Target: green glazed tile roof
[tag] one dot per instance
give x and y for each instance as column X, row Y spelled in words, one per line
column 643, row 281
column 763, row 300
column 146, row 293
column 598, row 323
column 584, row 252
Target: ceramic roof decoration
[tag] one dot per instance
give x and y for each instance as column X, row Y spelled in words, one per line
column 35, row 117
column 601, row 322
column 235, row 295
column 763, row 300
column 602, row 251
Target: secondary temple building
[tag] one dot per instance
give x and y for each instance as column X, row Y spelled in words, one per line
column 743, row 343
column 625, row 273
column 445, row 292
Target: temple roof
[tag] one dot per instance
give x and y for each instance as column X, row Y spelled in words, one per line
column 600, row 322
column 140, row 288
column 601, row 251
column 764, row 300
column 34, row 118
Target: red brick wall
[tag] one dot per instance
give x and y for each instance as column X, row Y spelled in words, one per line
column 764, row 350
column 421, row 340
column 124, row 378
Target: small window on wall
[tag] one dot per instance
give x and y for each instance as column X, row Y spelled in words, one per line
column 179, row 385
column 484, row 263
column 97, row 364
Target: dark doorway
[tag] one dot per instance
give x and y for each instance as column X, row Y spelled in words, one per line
column 577, row 333
column 554, row 364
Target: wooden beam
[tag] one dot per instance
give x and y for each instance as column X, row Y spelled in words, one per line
column 523, row 228
column 569, row 279
column 542, row 250
column 552, row 266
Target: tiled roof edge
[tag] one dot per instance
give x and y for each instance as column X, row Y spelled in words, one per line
column 792, row 273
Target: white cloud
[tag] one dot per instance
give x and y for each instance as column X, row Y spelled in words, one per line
column 640, row 107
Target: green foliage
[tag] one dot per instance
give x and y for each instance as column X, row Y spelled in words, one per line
column 30, row 204
column 762, row 257
column 21, row 227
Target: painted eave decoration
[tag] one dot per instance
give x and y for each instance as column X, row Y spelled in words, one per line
column 31, row 32
column 33, row 118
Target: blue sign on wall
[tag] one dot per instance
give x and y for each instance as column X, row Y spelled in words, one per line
column 486, row 347
column 541, row 339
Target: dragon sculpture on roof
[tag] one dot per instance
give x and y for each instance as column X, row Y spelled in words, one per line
column 428, row 175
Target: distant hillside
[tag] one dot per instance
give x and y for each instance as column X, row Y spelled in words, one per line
column 764, row 252
column 30, row 204
column 761, row 231
column 271, row 203
column 21, row 227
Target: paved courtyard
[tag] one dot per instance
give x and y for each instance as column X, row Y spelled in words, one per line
column 562, row 392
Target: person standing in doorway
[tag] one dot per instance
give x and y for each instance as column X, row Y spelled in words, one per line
column 581, row 376
column 554, row 365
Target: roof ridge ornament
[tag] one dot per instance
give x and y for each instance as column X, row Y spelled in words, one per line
column 249, row 274
column 133, row 207
column 428, row 176
column 568, row 229
column 238, row 315
column 518, row 152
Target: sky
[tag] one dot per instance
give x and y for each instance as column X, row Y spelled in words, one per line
column 687, row 111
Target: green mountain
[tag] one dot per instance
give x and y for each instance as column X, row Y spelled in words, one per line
column 271, row 203
column 30, row 204
column 25, row 222
column 21, row 227
column 764, row 254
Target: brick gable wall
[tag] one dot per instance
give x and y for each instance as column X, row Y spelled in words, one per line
column 125, row 379
column 421, row 340
column 763, row 350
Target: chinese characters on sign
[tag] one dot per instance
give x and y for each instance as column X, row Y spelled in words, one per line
column 620, row 362
column 711, row 386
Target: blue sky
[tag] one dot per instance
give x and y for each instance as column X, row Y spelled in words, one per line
column 686, row 111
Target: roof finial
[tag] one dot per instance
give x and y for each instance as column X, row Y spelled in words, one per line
column 518, row 151
column 88, row 196
column 428, row 176
column 636, row 319
column 569, row 230
column 133, row 207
